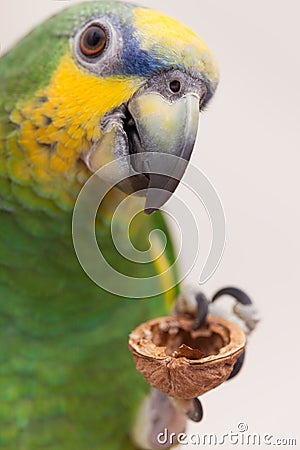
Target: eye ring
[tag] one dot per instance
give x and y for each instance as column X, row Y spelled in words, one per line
column 93, row 41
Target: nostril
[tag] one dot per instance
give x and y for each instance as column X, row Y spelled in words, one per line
column 175, row 86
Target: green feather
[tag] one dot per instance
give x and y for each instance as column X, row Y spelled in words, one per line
column 67, row 379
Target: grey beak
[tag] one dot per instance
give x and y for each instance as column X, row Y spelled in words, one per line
column 163, row 129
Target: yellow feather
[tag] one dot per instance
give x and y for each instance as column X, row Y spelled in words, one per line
column 76, row 101
column 162, row 265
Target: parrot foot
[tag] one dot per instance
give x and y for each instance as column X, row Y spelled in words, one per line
column 158, row 415
column 240, row 310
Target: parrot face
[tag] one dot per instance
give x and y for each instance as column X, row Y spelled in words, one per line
column 107, row 80
column 161, row 113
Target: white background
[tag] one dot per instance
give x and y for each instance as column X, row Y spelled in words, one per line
column 248, row 145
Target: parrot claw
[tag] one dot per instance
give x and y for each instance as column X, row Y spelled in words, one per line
column 202, row 310
column 196, row 415
column 192, row 408
column 186, row 302
column 192, row 302
column 241, row 311
column 237, row 367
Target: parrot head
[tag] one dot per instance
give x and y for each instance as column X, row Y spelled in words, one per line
column 109, row 80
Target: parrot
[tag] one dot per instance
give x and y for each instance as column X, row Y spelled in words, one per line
column 98, row 81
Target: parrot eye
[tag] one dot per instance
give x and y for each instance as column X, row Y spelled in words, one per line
column 92, row 41
column 175, row 86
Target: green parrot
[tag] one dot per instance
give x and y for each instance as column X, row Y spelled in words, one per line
column 98, row 81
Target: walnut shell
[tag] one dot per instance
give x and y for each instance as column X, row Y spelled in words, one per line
column 184, row 363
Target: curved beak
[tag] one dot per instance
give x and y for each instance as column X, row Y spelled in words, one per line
column 151, row 138
column 162, row 128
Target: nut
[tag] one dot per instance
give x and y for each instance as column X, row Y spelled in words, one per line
column 184, row 363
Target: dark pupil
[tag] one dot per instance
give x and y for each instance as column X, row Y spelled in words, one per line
column 94, row 37
column 175, row 86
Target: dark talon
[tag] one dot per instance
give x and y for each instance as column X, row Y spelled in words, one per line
column 202, row 310
column 244, row 299
column 237, row 367
column 238, row 294
column 196, row 414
